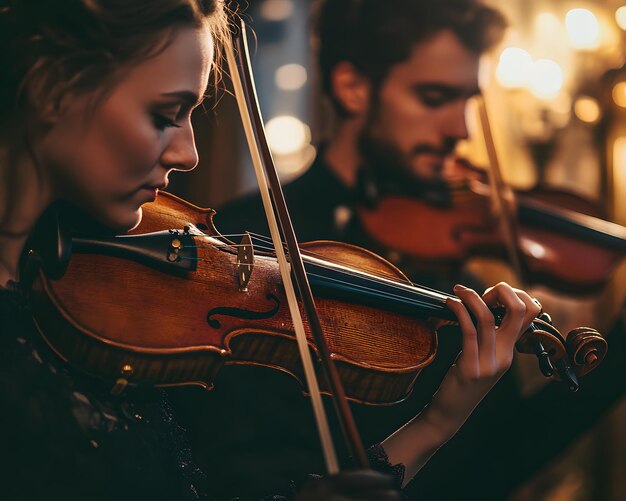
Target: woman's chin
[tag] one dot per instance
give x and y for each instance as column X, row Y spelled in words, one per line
column 134, row 219
column 123, row 221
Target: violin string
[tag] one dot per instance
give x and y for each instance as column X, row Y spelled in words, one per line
column 373, row 278
column 350, row 272
column 341, row 282
column 381, row 294
column 305, row 252
column 371, row 271
column 270, row 249
column 370, row 290
column 260, row 237
column 373, row 274
column 384, row 294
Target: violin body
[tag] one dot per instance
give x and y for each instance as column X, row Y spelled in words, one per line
column 105, row 317
column 568, row 253
column 132, row 318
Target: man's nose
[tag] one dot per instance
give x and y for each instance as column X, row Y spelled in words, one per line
column 455, row 125
column 181, row 153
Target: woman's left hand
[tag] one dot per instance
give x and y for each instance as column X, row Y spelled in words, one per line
column 487, row 350
column 487, row 353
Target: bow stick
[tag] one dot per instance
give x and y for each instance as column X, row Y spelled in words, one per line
column 245, row 93
column 500, row 204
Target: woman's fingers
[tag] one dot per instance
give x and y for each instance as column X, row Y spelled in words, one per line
column 485, row 321
column 504, row 295
column 469, row 340
column 485, row 347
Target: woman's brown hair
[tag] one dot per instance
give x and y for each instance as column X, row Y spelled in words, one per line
column 51, row 47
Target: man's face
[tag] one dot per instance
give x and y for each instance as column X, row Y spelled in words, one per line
column 418, row 113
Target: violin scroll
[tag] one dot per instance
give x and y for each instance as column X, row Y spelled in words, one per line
column 563, row 358
column 586, row 348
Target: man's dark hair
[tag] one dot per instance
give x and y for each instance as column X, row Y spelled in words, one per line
column 375, row 35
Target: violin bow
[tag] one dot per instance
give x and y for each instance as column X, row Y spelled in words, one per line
column 508, row 222
column 267, row 177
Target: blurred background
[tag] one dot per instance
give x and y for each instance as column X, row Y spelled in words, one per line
column 556, row 93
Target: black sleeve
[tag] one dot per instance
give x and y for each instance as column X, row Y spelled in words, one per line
column 380, row 461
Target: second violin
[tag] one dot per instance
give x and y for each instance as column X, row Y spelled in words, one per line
column 564, row 245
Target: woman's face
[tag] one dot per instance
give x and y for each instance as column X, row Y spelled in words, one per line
column 112, row 158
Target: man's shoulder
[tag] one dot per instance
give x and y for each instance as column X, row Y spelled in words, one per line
column 249, row 207
column 242, row 214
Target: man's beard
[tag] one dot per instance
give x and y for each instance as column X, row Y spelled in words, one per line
column 390, row 170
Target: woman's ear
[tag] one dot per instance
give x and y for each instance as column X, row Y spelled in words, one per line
column 44, row 103
column 49, row 112
column 351, row 89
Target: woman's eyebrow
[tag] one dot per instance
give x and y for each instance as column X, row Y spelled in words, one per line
column 187, row 97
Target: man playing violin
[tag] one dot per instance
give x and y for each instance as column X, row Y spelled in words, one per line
column 399, row 75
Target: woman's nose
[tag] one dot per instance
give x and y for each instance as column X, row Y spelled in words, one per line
column 181, row 153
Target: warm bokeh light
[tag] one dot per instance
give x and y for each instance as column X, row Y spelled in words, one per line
column 620, row 17
column 587, row 109
column 546, row 78
column 582, row 28
column 619, row 94
column 619, row 179
column 290, row 76
column 287, row 134
column 276, row 10
column 514, row 67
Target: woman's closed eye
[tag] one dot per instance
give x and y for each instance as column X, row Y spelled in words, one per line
column 162, row 122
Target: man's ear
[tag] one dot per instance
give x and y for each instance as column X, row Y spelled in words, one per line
column 350, row 88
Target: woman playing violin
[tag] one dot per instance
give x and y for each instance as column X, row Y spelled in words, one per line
column 96, row 104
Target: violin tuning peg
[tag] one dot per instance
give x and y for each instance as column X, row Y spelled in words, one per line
column 545, row 364
column 545, row 317
column 567, row 375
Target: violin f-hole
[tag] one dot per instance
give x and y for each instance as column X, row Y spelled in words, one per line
column 241, row 313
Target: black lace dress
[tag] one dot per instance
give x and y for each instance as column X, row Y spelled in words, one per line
column 63, row 436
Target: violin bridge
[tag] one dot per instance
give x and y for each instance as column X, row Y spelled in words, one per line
column 245, row 262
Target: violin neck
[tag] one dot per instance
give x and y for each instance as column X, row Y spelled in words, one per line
column 336, row 281
column 341, row 282
column 592, row 229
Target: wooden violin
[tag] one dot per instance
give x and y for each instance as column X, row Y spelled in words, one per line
column 562, row 239
column 175, row 301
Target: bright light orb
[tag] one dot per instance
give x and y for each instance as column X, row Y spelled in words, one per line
column 620, row 17
column 514, row 66
column 619, row 94
column 587, row 109
column 287, row 134
column 546, row 79
column 290, row 76
column 582, row 28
